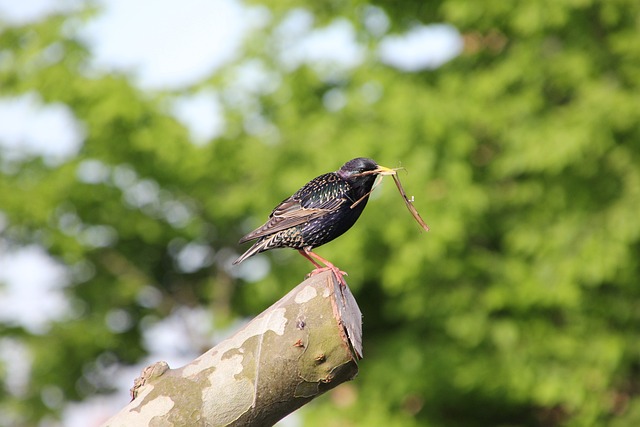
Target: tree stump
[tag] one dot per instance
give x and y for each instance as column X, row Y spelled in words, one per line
column 303, row 345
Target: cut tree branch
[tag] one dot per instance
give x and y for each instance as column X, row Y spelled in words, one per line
column 303, row 345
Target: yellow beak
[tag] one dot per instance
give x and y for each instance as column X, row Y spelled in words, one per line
column 381, row 170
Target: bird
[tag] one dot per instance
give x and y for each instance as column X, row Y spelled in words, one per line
column 322, row 210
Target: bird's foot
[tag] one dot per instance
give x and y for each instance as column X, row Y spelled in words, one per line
column 336, row 272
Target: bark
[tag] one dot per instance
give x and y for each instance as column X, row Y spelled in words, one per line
column 303, row 345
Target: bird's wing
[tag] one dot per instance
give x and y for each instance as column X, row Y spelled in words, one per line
column 291, row 213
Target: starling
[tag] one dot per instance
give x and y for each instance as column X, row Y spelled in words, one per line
column 320, row 211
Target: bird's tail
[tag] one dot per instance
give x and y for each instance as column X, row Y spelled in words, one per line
column 259, row 246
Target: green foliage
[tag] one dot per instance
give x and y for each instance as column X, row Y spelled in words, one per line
column 521, row 307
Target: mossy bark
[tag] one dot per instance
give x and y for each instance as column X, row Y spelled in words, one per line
column 303, row 345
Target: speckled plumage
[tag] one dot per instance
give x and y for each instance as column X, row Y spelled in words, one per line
column 318, row 212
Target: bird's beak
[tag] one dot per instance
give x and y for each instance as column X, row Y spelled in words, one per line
column 381, row 170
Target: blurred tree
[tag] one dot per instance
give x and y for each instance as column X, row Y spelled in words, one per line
column 520, row 307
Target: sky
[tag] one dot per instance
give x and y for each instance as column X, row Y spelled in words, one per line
column 146, row 39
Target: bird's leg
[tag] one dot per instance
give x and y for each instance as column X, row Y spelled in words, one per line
column 305, row 252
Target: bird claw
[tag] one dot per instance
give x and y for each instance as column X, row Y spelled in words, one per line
column 336, row 272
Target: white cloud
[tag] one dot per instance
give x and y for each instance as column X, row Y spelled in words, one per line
column 328, row 49
column 194, row 256
column 31, row 128
column 97, row 410
column 93, row 171
column 169, row 44
column 15, row 354
column 31, row 293
column 25, row 12
column 182, row 334
column 423, row 47
column 375, row 20
column 201, row 113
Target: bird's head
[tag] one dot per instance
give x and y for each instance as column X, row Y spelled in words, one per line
column 362, row 167
column 361, row 174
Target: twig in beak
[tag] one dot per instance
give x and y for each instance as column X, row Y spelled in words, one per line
column 409, row 204
column 375, row 184
column 407, row 201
